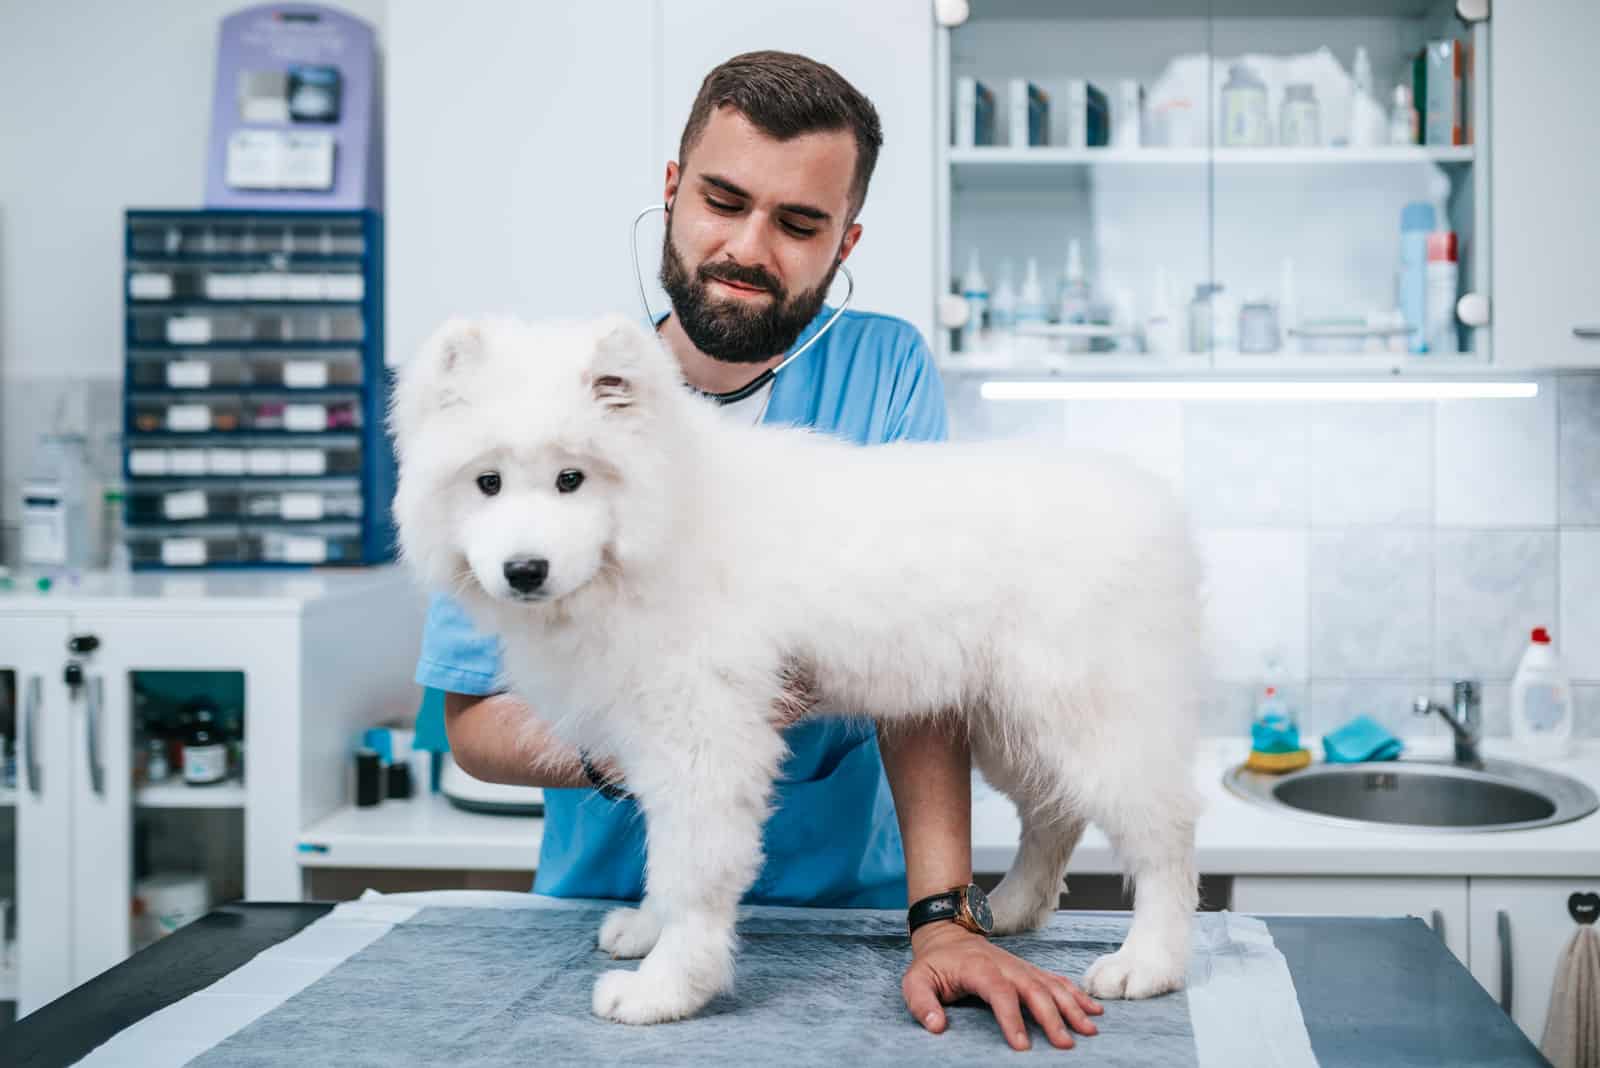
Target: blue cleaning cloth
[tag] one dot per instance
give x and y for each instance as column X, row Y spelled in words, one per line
column 1363, row 738
column 1274, row 733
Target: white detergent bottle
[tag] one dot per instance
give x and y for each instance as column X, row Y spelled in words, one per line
column 1541, row 700
column 975, row 291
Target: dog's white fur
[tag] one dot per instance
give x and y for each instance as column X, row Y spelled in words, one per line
column 1049, row 602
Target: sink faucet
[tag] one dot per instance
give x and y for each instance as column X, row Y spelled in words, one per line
column 1466, row 721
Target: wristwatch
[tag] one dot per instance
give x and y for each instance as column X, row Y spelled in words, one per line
column 967, row 905
column 608, row 789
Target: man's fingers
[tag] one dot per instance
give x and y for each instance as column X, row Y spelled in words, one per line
column 1002, row 998
column 1047, row 1014
column 922, row 999
column 1070, row 1000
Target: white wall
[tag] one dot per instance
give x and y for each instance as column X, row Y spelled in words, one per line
column 523, row 139
column 107, row 107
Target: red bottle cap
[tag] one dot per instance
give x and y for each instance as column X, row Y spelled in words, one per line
column 1541, row 635
column 1442, row 246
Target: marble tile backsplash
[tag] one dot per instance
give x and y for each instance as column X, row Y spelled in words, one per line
column 1365, row 554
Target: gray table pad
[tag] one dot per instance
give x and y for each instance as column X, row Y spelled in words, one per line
column 472, row 986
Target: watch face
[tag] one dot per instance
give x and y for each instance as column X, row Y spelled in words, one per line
column 978, row 902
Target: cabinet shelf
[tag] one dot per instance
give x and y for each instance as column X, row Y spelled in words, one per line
column 1004, row 167
column 181, row 795
column 1004, row 365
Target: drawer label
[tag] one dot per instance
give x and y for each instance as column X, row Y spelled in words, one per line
column 184, row 504
column 188, row 374
column 303, row 550
column 305, row 374
column 189, row 417
column 183, row 552
column 305, row 417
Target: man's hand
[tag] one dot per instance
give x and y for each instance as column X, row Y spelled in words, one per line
column 950, row 962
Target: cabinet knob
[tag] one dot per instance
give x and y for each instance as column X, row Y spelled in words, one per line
column 1473, row 309
column 953, row 312
column 82, row 643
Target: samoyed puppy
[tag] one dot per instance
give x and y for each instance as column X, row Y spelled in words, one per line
column 658, row 576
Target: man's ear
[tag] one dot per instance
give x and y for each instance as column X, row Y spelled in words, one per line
column 621, row 350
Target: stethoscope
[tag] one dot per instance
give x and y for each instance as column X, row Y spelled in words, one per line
column 755, row 385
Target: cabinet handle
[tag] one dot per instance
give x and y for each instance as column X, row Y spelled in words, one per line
column 31, row 724
column 1502, row 921
column 97, row 771
column 1588, row 333
column 1438, row 924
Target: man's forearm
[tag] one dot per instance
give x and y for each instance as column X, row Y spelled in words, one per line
column 498, row 739
column 929, row 767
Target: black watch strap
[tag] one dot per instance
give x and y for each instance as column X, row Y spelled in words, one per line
column 608, row 789
column 933, row 908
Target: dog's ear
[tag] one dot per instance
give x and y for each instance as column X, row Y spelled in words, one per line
column 621, row 349
column 454, row 345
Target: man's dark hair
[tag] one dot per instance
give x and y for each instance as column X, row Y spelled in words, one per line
column 785, row 95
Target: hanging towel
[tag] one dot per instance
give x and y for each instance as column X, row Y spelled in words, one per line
column 1572, row 1027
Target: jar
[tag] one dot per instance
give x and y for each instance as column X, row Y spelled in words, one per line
column 205, row 751
column 1244, row 109
column 1300, row 119
column 1258, row 327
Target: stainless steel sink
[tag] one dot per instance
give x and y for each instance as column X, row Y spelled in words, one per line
column 1406, row 795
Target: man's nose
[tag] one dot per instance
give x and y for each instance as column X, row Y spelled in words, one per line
column 747, row 244
column 525, row 574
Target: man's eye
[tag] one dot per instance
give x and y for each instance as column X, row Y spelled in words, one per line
column 720, row 205
column 799, row 231
column 569, row 480
column 489, row 483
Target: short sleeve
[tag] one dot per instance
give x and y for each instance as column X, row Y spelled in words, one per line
column 917, row 408
column 456, row 657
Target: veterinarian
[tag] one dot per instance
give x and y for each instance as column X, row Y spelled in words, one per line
column 772, row 170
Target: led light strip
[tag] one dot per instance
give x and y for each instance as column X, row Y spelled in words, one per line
column 1255, row 390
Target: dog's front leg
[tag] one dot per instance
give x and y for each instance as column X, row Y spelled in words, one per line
column 704, row 793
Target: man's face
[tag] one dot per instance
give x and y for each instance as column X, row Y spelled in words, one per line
column 756, row 230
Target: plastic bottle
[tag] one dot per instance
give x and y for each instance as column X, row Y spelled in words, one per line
column 1416, row 221
column 1403, row 117
column 1367, row 123
column 1541, row 699
column 1201, row 318
column 1288, row 307
column 1030, row 303
column 1444, row 278
column 1160, row 327
column 975, row 291
column 1003, row 305
column 1075, row 295
column 1224, row 320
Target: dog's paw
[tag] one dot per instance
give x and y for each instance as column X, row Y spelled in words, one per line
column 1017, row 907
column 631, row 998
column 629, row 933
column 1133, row 974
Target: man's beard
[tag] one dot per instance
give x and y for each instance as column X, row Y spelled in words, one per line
column 724, row 329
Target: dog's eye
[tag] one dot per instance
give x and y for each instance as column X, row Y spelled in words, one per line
column 489, row 483
column 569, row 480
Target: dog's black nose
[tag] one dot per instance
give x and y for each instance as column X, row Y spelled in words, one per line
column 526, row 573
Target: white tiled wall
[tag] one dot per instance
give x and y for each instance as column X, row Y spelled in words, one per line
column 1374, row 552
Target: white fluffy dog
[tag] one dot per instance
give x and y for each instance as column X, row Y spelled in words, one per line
column 655, row 575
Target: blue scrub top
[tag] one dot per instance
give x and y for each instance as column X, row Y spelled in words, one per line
column 832, row 839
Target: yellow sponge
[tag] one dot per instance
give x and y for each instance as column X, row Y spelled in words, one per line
column 1278, row 763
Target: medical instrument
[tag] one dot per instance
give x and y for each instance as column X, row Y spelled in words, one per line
column 759, row 381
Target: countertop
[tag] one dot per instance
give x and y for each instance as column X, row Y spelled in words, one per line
column 1233, row 836
column 1371, row 991
column 264, row 591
